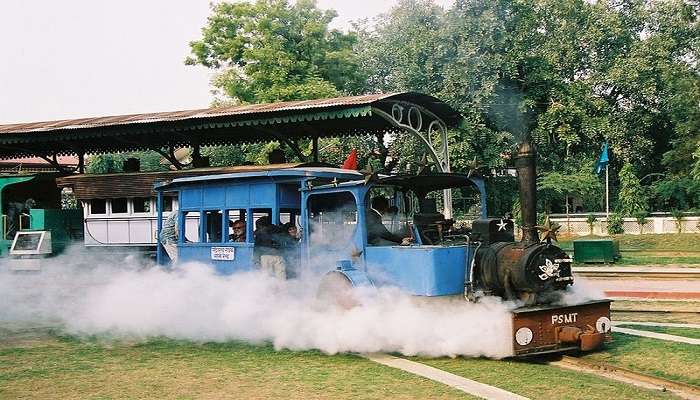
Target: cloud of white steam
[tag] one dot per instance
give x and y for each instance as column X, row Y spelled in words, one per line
column 126, row 299
column 581, row 291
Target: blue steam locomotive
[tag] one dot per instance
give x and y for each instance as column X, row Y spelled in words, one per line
column 375, row 231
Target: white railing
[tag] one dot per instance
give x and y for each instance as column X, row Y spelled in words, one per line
column 577, row 225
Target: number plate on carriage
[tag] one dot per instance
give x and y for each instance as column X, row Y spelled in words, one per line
column 223, row 253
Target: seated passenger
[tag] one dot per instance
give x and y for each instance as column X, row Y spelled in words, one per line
column 264, row 232
column 238, row 231
column 377, row 234
column 266, row 248
column 290, row 233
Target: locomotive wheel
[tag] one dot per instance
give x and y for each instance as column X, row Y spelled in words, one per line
column 337, row 290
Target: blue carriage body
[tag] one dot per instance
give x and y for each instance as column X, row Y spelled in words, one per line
column 418, row 269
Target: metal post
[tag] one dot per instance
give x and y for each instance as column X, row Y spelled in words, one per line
column 607, row 194
column 314, row 145
column 159, row 228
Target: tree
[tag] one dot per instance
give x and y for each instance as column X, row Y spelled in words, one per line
column 269, row 51
column 150, row 161
column 571, row 73
column 632, row 197
column 272, row 50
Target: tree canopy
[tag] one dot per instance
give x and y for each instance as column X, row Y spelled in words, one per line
column 571, row 74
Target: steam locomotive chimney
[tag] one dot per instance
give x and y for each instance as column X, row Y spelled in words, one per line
column 527, row 176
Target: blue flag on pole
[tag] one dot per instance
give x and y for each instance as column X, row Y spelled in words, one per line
column 603, row 160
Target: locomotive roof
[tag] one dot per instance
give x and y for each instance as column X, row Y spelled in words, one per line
column 428, row 182
column 299, row 172
column 250, row 123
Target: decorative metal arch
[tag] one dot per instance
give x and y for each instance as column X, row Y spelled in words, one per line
column 424, row 125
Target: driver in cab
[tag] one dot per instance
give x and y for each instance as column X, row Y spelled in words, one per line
column 377, row 233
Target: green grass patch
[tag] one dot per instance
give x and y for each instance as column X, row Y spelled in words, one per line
column 539, row 381
column 684, row 242
column 668, row 360
column 66, row 368
column 670, row 330
column 649, row 249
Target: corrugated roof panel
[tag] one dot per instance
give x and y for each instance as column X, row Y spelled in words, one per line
column 187, row 114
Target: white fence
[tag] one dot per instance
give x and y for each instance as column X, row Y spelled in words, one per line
column 577, row 225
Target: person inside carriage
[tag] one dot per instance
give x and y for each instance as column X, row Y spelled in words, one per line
column 377, row 233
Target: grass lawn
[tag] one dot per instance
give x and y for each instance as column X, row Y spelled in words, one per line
column 538, row 381
column 65, row 368
column 685, row 332
column 676, row 242
column 650, row 249
column 676, row 361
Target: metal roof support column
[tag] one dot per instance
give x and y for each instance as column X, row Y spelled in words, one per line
column 81, row 162
column 314, row 151
column 409, row 117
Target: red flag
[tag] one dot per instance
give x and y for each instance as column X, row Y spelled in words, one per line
column 351, row 161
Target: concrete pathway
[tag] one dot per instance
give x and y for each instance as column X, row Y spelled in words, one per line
column 458, row 382
column 654, row 335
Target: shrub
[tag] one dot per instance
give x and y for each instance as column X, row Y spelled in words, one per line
column 678, row 216
column 615, row 224
column 642, row 219
column 632, row 196
column 590, row 220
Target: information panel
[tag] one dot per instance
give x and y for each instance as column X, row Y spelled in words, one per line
column 223, row 253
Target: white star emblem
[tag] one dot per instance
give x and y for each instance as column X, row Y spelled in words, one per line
column 502, row 225
column 549, row 269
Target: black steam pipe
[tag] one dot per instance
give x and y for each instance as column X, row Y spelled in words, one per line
column 527, row 179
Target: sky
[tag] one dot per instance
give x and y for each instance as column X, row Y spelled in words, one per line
column 81, row 58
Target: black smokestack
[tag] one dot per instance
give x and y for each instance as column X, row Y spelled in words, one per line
column 527, row 178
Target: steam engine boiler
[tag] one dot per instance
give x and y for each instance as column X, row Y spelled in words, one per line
column 536, row 273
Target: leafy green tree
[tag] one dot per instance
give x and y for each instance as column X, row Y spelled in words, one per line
column 150, row 161
column 615, row 224
column 571, row 73
column 632, row 197
column 642, row 218
column 274, row 50
column 556, row 187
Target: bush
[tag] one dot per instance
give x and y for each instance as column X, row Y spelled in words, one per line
column 682, row 193
column 678, row 216
column 642, row 219
column 632, row 197
column 615, row 224
column 590, row 220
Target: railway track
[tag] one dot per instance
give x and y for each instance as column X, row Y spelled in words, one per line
column 683, row 390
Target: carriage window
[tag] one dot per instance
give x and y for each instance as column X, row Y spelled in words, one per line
column 212, row 223
column 167, row 203
column 236, row 225
column 119, row 206
column 333, row 219
column 142, row 204
column 191, row 222
column 98, row 206
column 288, row 215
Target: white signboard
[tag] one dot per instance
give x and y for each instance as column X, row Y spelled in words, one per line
column 223, row 253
